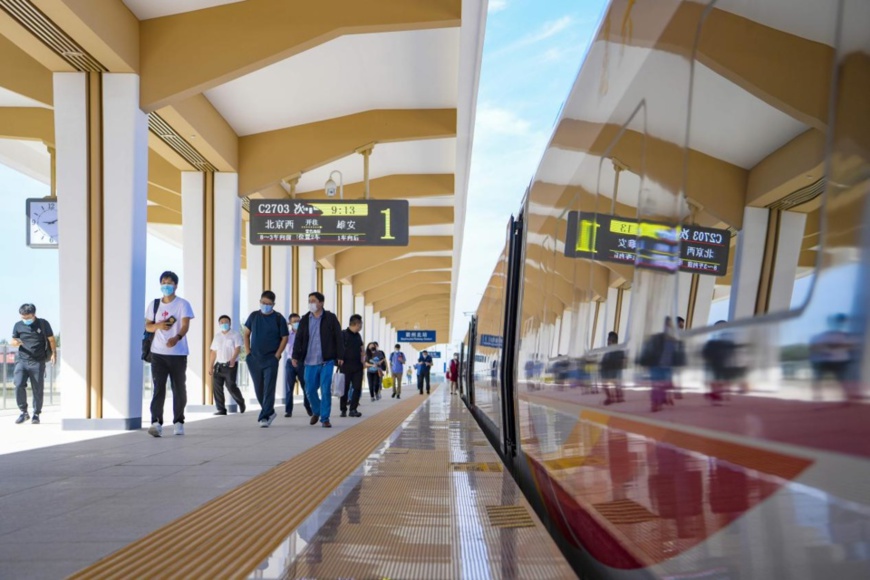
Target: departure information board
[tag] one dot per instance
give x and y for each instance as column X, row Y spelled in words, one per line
column 363, row 222
column 617, row 239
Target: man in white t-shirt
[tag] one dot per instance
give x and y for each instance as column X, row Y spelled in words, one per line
column 224, row 365
column 169, row 319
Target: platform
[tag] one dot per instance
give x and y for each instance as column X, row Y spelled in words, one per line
column 397, row 494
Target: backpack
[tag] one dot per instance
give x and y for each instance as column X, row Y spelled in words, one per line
column 148, row 337
column 48, row 352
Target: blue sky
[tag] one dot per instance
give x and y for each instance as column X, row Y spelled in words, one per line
column 531, row 56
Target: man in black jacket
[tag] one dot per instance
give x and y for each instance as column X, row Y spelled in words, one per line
column 318, row 347
column 354, row 352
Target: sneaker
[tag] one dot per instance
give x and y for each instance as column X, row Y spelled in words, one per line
column 398, row 396
column 327, row 425
column 288, row 415
column 355, row 414
column 272, row 418
column 22, row 418
column 373, row 399
column 263, row 423
column 379, row 396
column 394, row 395
column 220, row 413
column 314, row 419
column 179, row 428
column 344, row 414
column 156, row 430
column 242, row 407
column 35, row 420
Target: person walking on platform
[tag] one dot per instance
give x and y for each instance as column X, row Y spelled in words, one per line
column 318, row 349
column 373, row 371
column 36, row 346
column 424, row 372
column 612, row 364
column 397, row 367
column 383, row 369
column 352, row 368
column 291, row 373
column 169, row 319
column 265, row 341
column 224, row 365
column 453, row 373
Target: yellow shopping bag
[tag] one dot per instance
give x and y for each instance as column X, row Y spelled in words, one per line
column 388, row 382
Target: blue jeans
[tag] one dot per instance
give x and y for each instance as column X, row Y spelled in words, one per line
column 264, row 374
column 292, row 373
column 320, row 377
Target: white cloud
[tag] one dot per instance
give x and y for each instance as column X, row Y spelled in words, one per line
column 545, row 32
column 495, row 120
column 497, row 5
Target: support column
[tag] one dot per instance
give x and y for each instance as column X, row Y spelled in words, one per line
column 255, row 277
column 369, row 323
column 359, row 306
column 747, row 263
column 307, row 280
column 347, row 302
column 227, row 247
column 282, row 284
column 382, row 332
column 329, row 290
column 783, row 272
column 102, row 175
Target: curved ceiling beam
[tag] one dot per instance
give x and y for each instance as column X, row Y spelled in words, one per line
column 717, row 185
column 267, row 158
column 406, row 284
column 399, row 269
column 399, row 186
column 358, row 260
column 774, row 66
column 189, row 53
column 24, row 75
column 28, row 123
column 412, row 295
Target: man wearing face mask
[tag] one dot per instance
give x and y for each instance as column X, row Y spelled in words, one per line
column 223, row 365
column 291, row 374
column 36, row 345
column 318, row 348
column 169, row 319
column 265, row 341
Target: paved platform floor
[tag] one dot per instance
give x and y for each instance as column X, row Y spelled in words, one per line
column 68, row 504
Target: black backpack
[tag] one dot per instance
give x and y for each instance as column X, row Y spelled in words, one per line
column 148, row 337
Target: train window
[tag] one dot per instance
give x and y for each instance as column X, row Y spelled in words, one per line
column 755, row 160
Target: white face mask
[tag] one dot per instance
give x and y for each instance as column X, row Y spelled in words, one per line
column 312, row 307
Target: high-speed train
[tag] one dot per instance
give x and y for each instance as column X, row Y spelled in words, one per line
column 671, row 355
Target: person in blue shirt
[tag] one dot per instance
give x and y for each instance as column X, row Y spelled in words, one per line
column 424, row 364
column 265, row 341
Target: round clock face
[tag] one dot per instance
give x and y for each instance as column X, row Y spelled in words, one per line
column 43, row 223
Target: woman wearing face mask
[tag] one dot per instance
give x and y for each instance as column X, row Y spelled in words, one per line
column 373, row 367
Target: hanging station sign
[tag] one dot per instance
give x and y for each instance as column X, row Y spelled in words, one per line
column 362, row 222
column 426, row 336
column 659, row 246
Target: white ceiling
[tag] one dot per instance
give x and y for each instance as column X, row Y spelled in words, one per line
column 440, row 201
column 351, row 74
column 728, row 123
column 407, row 157
column 10, row 99
column 145, row 9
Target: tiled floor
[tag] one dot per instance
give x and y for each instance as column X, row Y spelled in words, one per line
column 418, row 508
column 66, row 505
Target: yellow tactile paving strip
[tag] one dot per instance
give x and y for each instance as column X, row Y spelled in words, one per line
column 230, row 535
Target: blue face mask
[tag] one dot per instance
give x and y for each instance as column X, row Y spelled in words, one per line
column 266, row 308
column 225, row 327
column 167, row 289
column 28, row 321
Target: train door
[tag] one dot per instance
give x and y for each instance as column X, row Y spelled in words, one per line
column 472, row 359
column 507, row 374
